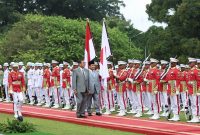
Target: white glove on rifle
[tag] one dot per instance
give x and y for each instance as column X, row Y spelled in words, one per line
column 130, row 80
column 177, row 92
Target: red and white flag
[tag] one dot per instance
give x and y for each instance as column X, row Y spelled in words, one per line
column 89, row 46
column 105, row 53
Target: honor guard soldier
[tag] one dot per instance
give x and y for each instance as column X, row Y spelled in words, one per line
column 5, row 81
column 183, row 86
column 16, row 88
column 173, row 79
column 152, row 80
column 66, row 86
column 193, row 88
column 129, row 86
column 136, row 81
column 46, row 83
column 55, row 82
column 1, row 84
column 163, row 88
column 145, row 99
column 108, row 95
column 121, row 87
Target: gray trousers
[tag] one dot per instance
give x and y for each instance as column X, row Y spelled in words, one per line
column 81, row 99
column 95, row 98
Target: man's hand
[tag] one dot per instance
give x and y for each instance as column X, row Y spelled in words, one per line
column 10, row 91
column 75, row 92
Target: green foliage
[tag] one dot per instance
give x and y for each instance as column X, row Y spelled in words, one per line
column 181, row 37
column 43, row 38
column 15, row 126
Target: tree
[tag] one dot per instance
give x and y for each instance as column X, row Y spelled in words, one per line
column 45, row 38
column 182, row 35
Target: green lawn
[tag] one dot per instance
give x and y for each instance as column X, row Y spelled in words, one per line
column 49, row 127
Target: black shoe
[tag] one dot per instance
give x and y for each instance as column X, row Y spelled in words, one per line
column 83, row 116
column 98, row 114
column 20, row 118
column 89, row 114
column 78, row 116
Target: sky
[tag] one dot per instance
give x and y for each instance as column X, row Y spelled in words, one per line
column 135, row 11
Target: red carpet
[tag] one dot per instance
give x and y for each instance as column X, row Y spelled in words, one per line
column 143, row 126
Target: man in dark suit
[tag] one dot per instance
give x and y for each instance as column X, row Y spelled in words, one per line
column 80, row 86
column 94, row 90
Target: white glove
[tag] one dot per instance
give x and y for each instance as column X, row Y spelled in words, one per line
column 177, row 92
column 130, row 80
column 190, row 82
column 155, row 92
column 146, row 80
column 10, row 92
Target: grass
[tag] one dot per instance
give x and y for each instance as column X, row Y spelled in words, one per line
column 49, row 127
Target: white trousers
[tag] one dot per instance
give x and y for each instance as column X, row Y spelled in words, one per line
column 175, row 105
column 55, row 93
column 145, row 99
column 184, row 98
column 65, row 94
column 138, row 101
column 155, row 103
column 121, row 97
column 6, row 92
column 46, row 95
column 108, row 97
column 37, row 92
column 164, row 99
column 17, row 101
column 30, row 93
column 130, row 94
column 194, row 104
column 149, row 104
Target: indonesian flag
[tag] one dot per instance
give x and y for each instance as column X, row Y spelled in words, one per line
column 89, row 46
column 105, row 53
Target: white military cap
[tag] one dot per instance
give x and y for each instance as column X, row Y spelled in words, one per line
column 192, row 59
column 15, row 65
column 182, row 65
column 122, row 63
column 173, row 60
column 5, row 64
column 32, row 64
column 11, row 63
column 29, row 64
column 137, row 61
column 198, row 60
column 187, row 66
column 60, row 65
column 163, row 62
column 54, row 62
column 75, row 63
column 40, row 64
column 65, row 63
column 48, row 64
column 109, row 62
column 147, row 62
column 152, row 60
column 36, row 64
column 21, row 64
column 130, row 61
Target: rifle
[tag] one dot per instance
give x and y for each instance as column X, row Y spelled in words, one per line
column 165, row 73
column 142, row 69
